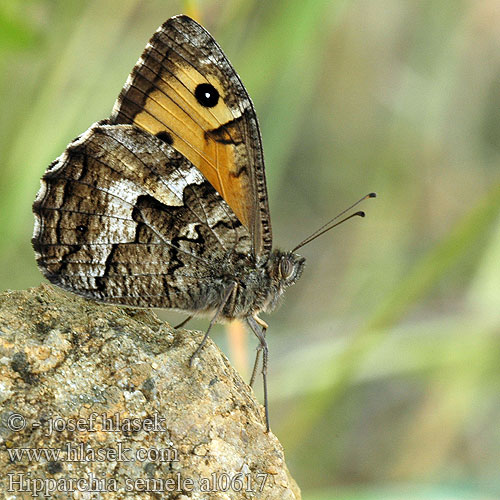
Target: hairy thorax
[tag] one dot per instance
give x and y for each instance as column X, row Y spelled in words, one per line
column 244, row 289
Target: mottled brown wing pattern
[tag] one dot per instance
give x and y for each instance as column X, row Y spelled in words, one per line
column 220, row 136
column 124, row 218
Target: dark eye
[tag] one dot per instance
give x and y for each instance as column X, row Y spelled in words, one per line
column 206, row 95
column 286, row 268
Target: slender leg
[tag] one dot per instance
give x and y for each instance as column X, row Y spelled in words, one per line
column 260, row 332
column 255, row 365
column 212, row 322
column 183, row 323
column 264, row 326
column 261, row 322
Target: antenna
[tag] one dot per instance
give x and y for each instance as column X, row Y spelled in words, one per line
column 326, row 227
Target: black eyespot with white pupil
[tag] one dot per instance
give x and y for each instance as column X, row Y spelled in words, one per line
column 206, row 95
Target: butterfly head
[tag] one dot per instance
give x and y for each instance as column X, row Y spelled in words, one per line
column 285, row 268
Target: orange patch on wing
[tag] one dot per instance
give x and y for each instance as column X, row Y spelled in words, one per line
column 172, row 107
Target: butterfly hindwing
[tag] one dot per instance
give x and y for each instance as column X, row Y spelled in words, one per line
column 125, row 218
column 184, row 90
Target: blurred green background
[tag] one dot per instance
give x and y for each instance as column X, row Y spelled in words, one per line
column 385, row 359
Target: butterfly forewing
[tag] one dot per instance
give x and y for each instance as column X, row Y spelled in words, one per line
column 184, row 90
column 124, row 218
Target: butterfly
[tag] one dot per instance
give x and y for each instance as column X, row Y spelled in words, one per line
column 164, row 204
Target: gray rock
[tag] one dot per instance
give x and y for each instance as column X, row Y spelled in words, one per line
column 101, row 397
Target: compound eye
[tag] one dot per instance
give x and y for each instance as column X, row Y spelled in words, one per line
column 286, row 268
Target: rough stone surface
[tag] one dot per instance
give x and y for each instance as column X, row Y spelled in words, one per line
column 102, row 397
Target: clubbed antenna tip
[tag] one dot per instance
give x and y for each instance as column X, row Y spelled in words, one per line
column 330, row 225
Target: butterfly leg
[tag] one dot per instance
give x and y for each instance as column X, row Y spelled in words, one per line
column 183, row 323
column 261, row 322
column 224, row 301
column 255, row 365
column 257, row 326
column 265, row 326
